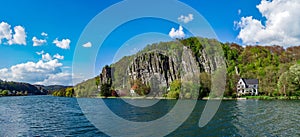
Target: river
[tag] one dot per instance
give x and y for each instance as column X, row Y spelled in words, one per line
column 59, row 116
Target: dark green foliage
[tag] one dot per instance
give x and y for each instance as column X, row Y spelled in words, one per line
column 19, row 87
column 105, row 90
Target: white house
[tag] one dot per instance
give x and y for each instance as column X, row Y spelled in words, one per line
column 132, row 92
column 247, row 87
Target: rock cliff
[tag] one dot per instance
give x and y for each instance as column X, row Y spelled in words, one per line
column 166, row 63
column 147, row 65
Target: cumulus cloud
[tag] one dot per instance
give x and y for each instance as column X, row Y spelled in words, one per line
column 19, row 37
column 57, row 56
column 44, row 34
column 87, row 45
column 177, row 33
column 46, row 57
column 38, row 42
column 31, row 72
column 282, row 25
column 64, row 43
column 186, row 19
column 46, row 71
column 5, row 31
column 6, row 34
column 62, row 78
column 41, row 72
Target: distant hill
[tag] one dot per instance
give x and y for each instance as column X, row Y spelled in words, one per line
column 50, row 89
column 29, row 89
column 21, row 87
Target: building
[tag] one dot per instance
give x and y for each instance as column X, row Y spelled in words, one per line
column 247, row 87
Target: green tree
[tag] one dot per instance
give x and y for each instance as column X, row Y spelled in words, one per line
column 5, row 92
column 289, row 82
column 105, row 90
column 175, row 88
column 69, row 92
column 97, row 81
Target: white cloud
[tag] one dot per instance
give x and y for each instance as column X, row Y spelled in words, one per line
column 41, row 72
column 64, row 43
column 31, row 72
column 186, row 19
column 40, row 53
column 239, row 12
column 282, row 26
column 19, row 37
column 177, row 33
column 6, row 33
column 87, row 45
column 44, row 34
column 62, row 78
column 38, row 42
column 46, row 57
column 57, row 56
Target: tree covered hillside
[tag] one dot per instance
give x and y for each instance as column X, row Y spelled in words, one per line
column 277, row 68
column 19, row 88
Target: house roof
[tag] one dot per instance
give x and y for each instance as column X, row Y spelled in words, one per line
column 250, row 81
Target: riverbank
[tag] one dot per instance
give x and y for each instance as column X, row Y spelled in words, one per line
column 142, row 97
column 274, row 98
column 256, row 98
column 208, row 98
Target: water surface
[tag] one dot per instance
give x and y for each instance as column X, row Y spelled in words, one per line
column 58, row 116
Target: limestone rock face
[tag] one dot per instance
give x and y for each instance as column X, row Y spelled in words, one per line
column 163, row 68
column 210, row 60
column 154, row 64
column 106, row 76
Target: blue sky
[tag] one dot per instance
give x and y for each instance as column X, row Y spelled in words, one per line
column 65, row 20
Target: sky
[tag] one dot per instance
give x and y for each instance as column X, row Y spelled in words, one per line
column 39, row 38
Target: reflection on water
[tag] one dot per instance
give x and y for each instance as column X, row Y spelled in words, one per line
column 54, row 116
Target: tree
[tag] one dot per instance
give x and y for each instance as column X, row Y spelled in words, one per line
column 140, row 88
column 105, row 90
column 97, row 81
column 175, row 88
column 289, row 82
column 69, row 92
column 5, row 92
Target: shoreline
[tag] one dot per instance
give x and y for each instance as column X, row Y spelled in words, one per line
column 207, row 98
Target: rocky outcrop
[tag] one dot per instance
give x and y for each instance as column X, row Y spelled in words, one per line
column 154, row 64
column 106, row 76
column 210, row 60
column 163, row 66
